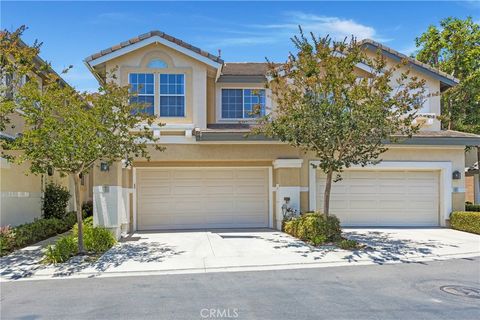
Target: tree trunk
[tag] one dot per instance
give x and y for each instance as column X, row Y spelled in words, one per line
column 76, row 178
column 326, row 196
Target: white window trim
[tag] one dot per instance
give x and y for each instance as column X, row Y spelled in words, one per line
column 173, row 95
column 445, row 168
column 219, row 113
column 145, row 94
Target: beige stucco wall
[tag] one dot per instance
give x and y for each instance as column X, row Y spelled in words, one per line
column 195, row 78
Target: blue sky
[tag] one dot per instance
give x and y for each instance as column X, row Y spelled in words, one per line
column 244, row 31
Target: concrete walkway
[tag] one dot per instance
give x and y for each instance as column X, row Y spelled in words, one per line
column 259, row 249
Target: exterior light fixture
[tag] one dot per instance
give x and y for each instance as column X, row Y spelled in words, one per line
column 456, row 175
column 50, row 171
column 104, row 167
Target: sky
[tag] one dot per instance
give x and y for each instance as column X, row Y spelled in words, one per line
column 243, row 31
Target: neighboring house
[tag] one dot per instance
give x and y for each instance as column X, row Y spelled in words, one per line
column 212, row 176
column 21, row 191
column 472, row 173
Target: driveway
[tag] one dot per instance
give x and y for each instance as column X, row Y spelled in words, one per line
column 169, row 252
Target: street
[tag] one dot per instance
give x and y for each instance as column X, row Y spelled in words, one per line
column 398, row 291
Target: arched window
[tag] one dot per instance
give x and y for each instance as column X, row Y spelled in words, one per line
column 157, row 63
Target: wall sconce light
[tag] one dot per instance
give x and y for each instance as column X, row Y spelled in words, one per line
column 50, row 171
column 104, row 167
column 456, row 175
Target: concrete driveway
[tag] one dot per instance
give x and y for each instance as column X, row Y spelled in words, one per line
column 169, row 252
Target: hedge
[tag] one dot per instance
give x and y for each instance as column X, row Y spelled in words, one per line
column 468, row 221
column 472, row 207
column 315, row 228
column 30, row 233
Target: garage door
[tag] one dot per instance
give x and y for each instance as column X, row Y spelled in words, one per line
column 192, row 198
column 384, row 198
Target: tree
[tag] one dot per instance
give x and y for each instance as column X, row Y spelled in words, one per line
column 454, row 48
column 324, row 107
column 70, row 131
column 16, row 62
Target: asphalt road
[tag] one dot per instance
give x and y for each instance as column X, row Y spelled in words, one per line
column 402, row 291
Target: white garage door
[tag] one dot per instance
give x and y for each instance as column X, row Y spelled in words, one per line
column 192, row 198
column 384, row 198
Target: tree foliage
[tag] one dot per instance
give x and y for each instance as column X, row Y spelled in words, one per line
column 325, row 107
column 454, row 48
column 70, row 131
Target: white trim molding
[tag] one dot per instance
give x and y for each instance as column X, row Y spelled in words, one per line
column 287, row 163
column 445, row 168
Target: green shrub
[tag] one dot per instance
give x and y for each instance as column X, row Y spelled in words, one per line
column 95, row 239
column 468, row 221
column 65, row 248
column 54, row 201
column 347, row 244
column 87, row 209
column 30, row 233
column 472, row 207
column 316, row 228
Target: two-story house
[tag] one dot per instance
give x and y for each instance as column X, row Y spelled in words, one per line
column 212, row 176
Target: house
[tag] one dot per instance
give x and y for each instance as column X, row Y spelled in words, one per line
column 21, row 191
column 212, row 175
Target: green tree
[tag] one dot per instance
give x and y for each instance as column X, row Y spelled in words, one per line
column 325, row 107
column 454, row 48
column 71, row 131
column 16, row 62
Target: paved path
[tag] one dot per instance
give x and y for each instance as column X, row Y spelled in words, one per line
column 397, row 291
column 170, row 252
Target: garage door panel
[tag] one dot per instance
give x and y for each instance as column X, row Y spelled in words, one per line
column 202, row 198
column 384, row 198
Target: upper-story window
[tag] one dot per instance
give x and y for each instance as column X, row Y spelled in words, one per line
column 172, row 95
column 157, row 63
column 243, row 103
column 143, row 84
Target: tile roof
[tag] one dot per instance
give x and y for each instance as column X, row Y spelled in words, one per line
column 244, row 69
column 149, row 35
column 410, row 59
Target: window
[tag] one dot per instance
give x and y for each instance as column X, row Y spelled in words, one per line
column 143, row 85
column 243, row 103
column 157, row 63
column 172, row 95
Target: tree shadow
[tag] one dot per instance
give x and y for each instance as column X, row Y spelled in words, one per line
column 383, row 247
column 22, row 263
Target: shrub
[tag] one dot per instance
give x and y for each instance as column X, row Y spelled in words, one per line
column 472, row 207
column 468, row 221
column 30, row 233
column 316, row 228
column 54, row 201
column 95, row 239
column 64, row 248
column 87, row 209
column 347, row 244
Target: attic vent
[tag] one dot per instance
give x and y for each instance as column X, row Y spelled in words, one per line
column 157, row 63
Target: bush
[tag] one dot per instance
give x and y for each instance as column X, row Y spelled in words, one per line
column 65, row 248
column 95, row 239
column 30, row 233
column 347, row 244
column 468, row 221
column 316, row 228
column 472, row 207
column 87, row 209
column 54, row 201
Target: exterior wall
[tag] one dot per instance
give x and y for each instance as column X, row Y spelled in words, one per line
column 432, row 85
column 290, row 179
column 195, row 79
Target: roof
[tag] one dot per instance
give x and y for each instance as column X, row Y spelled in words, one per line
column 245, row 68
column 151, row 34
column 238, row 131
column 442, row 76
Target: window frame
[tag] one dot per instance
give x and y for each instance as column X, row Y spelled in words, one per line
column 145, row 94
column 220, row 113
column 160, row 95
